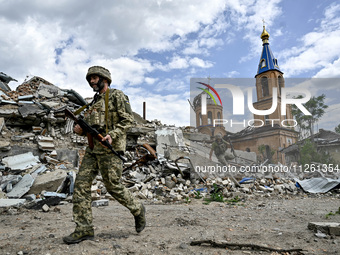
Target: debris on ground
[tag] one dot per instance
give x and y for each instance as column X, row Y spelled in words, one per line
column 40, row 156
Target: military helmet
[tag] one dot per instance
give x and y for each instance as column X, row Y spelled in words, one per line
column 100, row 71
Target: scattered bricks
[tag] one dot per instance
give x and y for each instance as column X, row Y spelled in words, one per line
column 44, row 131
column 45, row 208
column 95, row 196
column 36, row 130
column 46, row 143
column 169, row 182
column 101, row 202
column 51, row 160
column 225, row 182
column 53, row 154
column 181, row 180
column 279, row 188
column 152, row 170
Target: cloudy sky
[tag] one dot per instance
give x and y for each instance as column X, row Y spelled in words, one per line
column 153, row 48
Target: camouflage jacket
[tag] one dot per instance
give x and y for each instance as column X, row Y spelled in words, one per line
column 120, row 119
column 219, row 147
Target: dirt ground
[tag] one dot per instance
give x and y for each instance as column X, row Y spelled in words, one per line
column 275, row 222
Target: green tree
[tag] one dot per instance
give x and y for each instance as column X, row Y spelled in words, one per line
column 310, row 153
column 305, row 123
column 337, row 129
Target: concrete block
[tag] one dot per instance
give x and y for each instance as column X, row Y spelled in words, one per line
column 45, row 208
column 22, row 187
column 331, row 228
column 49, row 181
column 101, row 202
column 11, row 202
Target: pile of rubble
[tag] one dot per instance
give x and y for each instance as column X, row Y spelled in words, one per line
column 40, row 155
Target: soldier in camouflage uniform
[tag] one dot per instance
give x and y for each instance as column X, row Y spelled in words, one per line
column 220, row 148
column 113, row 119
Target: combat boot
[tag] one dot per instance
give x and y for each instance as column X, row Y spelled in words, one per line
column 140, row 220
column 78, row 236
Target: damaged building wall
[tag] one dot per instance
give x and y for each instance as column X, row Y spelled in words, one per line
column 163, row 161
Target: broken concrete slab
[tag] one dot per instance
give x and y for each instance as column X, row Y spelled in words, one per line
column 9, row 112
column 22, row 136
column 4, row 86
column 21, row 161
column 22, row 187
column 49, row 181
column 199, row 137
column 11, row 202
column 168, row 136
column 48, row 91
column 30, row 109
column 329, row 228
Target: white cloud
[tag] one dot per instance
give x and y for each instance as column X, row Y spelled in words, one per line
column 328, row 121
column 319, row 49
column 232, row 74
column 200, row 63
column 330, row 70
column 172, row 109
column 178, row 62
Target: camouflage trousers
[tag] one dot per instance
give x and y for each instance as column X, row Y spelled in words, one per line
column 223, row 158
column 110, row 168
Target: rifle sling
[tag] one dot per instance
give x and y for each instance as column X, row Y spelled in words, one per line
column 107, row 108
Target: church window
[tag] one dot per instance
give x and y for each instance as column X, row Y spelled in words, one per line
column 200, row 118
column 264, row 86
column 209, row 118
column 266, row 118
column 263, row 63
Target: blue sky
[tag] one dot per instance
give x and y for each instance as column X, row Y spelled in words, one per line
column 153, row 48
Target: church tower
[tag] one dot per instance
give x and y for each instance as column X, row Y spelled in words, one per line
column 205, row 123
column 269, row 76
column 272, row 132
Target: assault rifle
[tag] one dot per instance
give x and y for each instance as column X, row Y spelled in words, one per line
column 92, row 133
